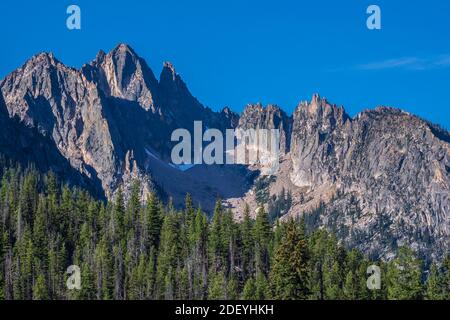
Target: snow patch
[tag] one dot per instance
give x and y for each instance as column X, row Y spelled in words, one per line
column 182, row 167
column 151, row 154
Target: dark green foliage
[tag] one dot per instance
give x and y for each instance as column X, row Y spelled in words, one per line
column 289, row 275
column 261, row 189
column 136, row 250
column 404, row 276
column 262, row 233
column 279, row 205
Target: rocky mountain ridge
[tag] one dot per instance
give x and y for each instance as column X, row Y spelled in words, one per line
column 384, row 177
column 379, row 180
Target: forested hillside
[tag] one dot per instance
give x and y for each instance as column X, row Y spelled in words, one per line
column 152, row 251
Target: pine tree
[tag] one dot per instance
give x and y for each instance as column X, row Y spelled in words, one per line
column 332, row 282
column 248, row 245
column 190, row 220
column 215, row 249
column 40, row 291
column 183, row 285
column 435, row 285
column 66, row 209
column 40, row 239
column 289, row 274
column 217, row 287
column 229, row 243
column 352, row 289
column 153, row 221
column 131, row 223
column 249, row 291
column 262, row 233
column 150, row 275
column 167, row 258
column 137, row 285
column 2, row 264
column 133, row 207
column 404, row 276
column 117, row 233
column 446, row 277
column 28, row 197
column 262, row 288
column 87, row 291
column 103, row 270
column 200, row 260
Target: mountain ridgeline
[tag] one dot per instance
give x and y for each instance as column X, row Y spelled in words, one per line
column 379, row 180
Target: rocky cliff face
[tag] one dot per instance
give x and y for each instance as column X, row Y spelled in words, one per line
column 63, row 105
column 123, row 74
column 318, row 145
column 272, row 117
column 390, row 168
column 107, row 117
column 23, row 144
column 379, row 180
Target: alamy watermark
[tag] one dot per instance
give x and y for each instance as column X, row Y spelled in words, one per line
column 74, row 280
column 374, row 20
column 374, row 280
column 73, row 22
column 239, row 146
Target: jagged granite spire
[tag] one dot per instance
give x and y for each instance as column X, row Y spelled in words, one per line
column 123, row 74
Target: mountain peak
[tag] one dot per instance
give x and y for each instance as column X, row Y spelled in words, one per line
column 169, row 65
column 43, row 58
column 124, row 56
column 123, row 48
column 318, row 100
column 100, row 56
column 381, row 165
column 120, row 52
column 169, row 71
column 226, row 110
column 122, row 73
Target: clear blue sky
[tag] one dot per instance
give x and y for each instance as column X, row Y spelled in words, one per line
column 234, row 52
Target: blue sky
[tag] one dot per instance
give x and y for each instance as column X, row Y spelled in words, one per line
column 235, row 52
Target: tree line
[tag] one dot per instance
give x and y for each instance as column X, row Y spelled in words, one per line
column 135, row 250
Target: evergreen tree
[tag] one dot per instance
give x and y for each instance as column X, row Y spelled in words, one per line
column 40, row 288
column 200, row 257
column 87, row 291
column 446, row 277
column 262, row 233
column 103, row 270
column 167, row 258
column 262, row 288
column 404, row 276
column 217, row 287
column 289, row 274
column 137, row 285
column 153, row 221
column 435, row 285
column 215, row 244
column 232, row 290
column 116, row 227
column 249, row 291
column 352, row 286
column 248, row 245
column 40, row 239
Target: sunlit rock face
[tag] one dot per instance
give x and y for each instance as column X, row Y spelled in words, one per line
column 380, row 179
column 388, row 172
